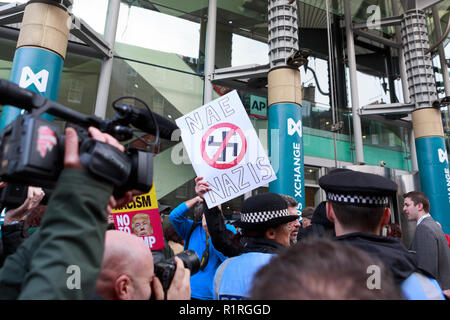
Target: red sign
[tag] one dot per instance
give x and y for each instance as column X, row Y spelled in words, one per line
column 145, row 224
column 219, row 156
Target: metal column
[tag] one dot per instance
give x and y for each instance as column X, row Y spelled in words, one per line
column 443, row 61
column 427, row 121
column 41, row 50
column 210, row 54
column 284, row 101
column 107, row 65
column 357, row 131
column 405, row 90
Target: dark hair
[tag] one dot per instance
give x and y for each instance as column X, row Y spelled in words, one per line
column 364, row 219
column 198, row 211
column 395, row 230
column 323, row 269
column 291, row 202
column 419, row 197
column 308, row 212
column 169, row 232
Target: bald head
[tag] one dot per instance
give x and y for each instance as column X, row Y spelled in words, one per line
column 127, row 267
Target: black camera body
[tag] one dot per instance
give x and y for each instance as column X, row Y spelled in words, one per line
column 32, row 148
column 30, row 152
column 165, row 269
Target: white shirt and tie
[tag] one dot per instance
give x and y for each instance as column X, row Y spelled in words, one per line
column 423, row 217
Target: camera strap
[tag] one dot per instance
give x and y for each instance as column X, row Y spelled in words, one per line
column 205, row 255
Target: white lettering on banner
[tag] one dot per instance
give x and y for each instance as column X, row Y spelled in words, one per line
column 447, row 178
column 294, row 127
column 123, row 222
column 39, row 79
column 443, row 156
column 297, row 169
column 150, row 241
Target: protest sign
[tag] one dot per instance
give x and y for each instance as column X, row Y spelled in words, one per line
column 224, row 149
column 142, row 219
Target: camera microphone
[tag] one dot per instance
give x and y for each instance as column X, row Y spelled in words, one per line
column 142, row 119
column 12, row 94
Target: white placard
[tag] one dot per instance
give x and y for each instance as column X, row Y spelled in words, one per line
column 224, row 149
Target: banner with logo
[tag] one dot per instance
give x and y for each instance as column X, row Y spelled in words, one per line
column 37, row 70
column 224, row 149
column 286, row 151
column 142, row 219
column 432, row 159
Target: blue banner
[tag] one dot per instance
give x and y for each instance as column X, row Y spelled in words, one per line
column 434, row 175
column 37, row 70
column 286, row 151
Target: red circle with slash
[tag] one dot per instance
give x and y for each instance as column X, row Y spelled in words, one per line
column 213, row 161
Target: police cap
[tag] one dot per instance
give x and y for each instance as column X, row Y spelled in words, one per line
column 350, row 187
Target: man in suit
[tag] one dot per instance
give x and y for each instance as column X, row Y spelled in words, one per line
column 429, row 242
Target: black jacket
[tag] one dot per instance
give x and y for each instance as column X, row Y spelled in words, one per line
column 12, row 237
column 320, row 225
column 390, row 251
column 232, row 245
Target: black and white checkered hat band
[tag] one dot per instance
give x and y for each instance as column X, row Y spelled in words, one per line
column 358, row 199
column 257, row 217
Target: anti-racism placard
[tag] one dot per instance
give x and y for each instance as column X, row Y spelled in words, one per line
column 224, row 149
column 142, row 219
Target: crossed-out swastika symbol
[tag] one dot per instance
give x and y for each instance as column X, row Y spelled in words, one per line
column 219, row 159
column 223, row 154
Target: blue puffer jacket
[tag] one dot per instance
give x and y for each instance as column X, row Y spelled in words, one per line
column 202, row 281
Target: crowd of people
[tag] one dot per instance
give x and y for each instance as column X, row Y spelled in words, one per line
column 338, row 250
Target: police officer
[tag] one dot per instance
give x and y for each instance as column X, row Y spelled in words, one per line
column 358, row 204
column 265, row 229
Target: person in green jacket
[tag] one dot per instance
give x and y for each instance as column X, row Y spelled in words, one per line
column 62, row 259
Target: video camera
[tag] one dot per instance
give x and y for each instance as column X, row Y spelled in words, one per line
column 32, row 148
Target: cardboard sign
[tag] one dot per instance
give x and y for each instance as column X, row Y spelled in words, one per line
column 224, row 149
column 142, row 219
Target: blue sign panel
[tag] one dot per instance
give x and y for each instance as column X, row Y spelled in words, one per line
column 286, row 151
column 434, row 175
column 37, row 70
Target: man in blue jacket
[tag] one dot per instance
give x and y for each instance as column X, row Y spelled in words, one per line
column 196, row 237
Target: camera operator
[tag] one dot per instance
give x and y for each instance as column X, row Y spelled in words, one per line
column 71, row 236
column 127, row 272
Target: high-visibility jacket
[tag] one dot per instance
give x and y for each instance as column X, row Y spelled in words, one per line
column 233, row 278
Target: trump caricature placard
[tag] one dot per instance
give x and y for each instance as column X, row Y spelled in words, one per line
column 142, row 219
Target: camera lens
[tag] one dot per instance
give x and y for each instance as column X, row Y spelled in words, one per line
column 190, row 260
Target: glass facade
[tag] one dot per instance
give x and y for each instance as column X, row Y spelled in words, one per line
column 159, row 57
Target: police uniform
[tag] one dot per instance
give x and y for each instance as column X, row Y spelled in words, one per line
column 233, row 278
column 354, row 188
